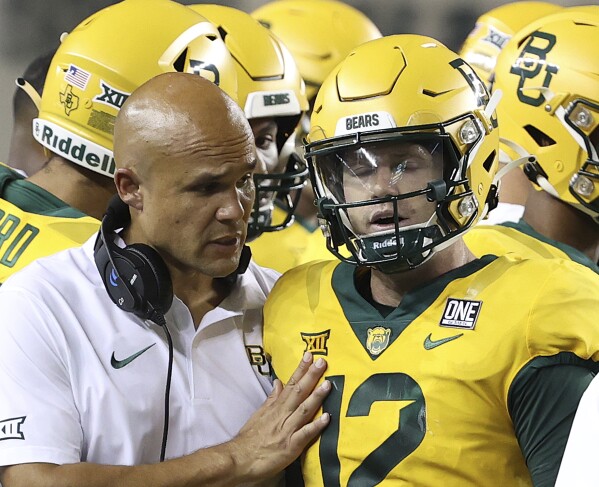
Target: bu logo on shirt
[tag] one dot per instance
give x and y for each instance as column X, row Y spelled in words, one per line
column 258, row 359
column 460, row 313
column 10, row 429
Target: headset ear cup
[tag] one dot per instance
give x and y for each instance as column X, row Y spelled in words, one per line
column 155, row 283
column 123, row 296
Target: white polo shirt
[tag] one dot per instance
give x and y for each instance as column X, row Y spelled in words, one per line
column 580, row 467
column 82, row 380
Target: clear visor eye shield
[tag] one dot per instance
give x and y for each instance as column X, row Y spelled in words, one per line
column 385, row 194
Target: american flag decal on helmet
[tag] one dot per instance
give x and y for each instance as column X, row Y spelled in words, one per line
column 77, row 77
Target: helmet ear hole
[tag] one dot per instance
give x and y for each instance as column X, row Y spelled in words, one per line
column 179, row 63
column 540, row 137
column 488, row 164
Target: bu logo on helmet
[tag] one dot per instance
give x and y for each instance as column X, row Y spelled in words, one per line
column 530, row 64
column 69, row 99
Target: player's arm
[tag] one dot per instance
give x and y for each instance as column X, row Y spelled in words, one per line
column 271, row 439
column 542, row 404
column 563, row 341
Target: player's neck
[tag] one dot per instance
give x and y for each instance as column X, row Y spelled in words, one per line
column 562, row 222
column 25, row 153
column 389, row 289
column 515, row 187
column 199, row 292
column 77, row 187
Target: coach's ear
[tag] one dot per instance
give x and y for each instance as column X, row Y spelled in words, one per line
column 127, row 186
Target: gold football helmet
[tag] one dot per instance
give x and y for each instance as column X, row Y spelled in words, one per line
column 494, row 28
column 401, row 120
column 319, row 34
column 268, row 85
column 110, row 54
column 549, row 75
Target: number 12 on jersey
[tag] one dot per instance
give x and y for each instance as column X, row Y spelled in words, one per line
column 409, row 434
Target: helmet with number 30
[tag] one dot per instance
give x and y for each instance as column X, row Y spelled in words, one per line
column 403, row 152
column 549, row 75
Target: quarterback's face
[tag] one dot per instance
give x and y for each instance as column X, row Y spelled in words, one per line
column 197, row 201
column 389, row 169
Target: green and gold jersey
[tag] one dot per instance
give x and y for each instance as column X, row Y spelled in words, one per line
column 34, row 223
column 427, row 395
column 523, row 240
column 289, row 248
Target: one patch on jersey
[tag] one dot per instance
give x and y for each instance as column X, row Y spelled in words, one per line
column 111, row 96
column 378, row 339
column 10, row 429
column 316, row 343
column 461, row 313
column 365, row 122
column 77, row 77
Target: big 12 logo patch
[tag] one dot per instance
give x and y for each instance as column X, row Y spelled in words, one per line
column 531, row 63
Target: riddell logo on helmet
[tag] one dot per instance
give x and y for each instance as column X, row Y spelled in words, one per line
column 74, row 148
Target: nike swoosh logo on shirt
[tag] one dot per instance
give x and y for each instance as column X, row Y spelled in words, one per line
column 430, row 344
column 119, row 364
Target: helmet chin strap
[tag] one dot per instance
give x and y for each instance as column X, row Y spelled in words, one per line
column 524, row 158
column 493, row 102
column 30, row 90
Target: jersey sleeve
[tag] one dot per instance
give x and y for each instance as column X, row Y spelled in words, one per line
column 542, row 410
column 562, row 338
column 39, row 421
column 564, row 316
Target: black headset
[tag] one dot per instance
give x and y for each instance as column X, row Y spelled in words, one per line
column 135, row 277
